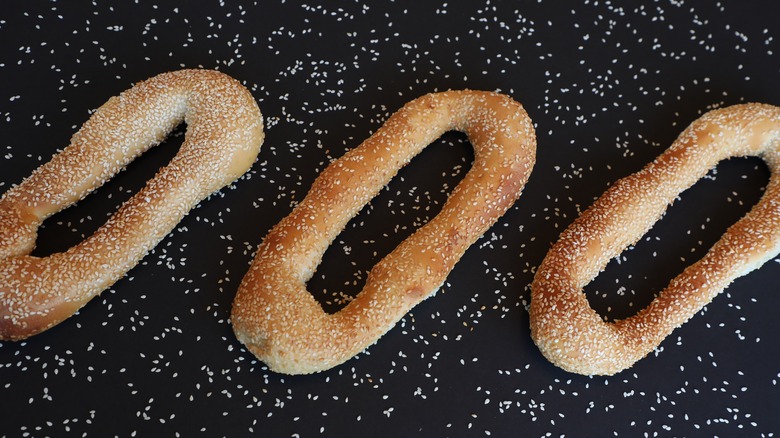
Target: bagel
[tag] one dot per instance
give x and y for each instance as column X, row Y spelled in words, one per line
column 285, row 327
column 564, row 326
column 224, row 134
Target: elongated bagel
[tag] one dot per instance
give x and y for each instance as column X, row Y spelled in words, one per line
column 284, row 326
column 571, row 334
column 224, row 134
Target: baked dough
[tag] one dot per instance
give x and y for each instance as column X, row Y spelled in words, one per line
column 564, row 326
column 284, row 326
column 224, row 134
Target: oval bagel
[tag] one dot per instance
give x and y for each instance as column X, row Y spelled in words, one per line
column 224, row 134
column 564, row 326
column 278, row 319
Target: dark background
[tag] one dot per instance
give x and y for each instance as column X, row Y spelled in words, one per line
column 608, row 87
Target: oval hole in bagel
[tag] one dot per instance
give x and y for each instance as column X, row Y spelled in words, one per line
column 413, row 197
column 73, row 224
column 691, row 225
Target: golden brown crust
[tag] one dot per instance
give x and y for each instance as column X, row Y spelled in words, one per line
column 283, row 325
column 224, row 134
column 571, row 334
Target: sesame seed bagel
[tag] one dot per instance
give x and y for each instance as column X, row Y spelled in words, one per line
column 564, row 326
column 273, row 313
column 224, row 134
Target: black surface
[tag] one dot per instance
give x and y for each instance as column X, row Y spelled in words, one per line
column 609, row 87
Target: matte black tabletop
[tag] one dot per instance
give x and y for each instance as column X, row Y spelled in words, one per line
column 608, row 86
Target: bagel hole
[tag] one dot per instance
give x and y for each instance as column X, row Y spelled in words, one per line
column 72, row 225
column 692, row 224
column 409, row 201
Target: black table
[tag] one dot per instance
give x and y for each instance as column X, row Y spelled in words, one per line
column 608, row 87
